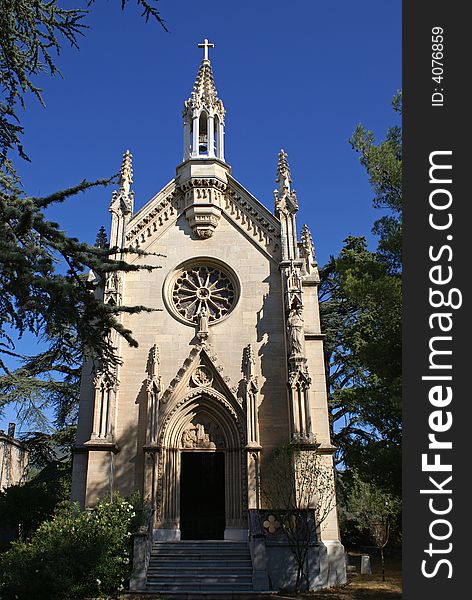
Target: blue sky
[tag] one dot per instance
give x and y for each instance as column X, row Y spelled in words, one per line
column 298, row 76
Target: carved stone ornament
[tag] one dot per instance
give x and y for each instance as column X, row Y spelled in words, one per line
column 295, row 331
column 202, row 377
column 271, row 524
column 194, row 436
column 203, row 219
column 203, row 294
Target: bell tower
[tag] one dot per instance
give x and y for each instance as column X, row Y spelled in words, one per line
column 204, row 115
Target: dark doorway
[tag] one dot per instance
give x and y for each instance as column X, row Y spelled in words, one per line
column 202, row 496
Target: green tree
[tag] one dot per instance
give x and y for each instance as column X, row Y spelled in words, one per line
column 361, row 308
column 24, row 507
column 374, row 511
column 44, row 289
column 90, row 550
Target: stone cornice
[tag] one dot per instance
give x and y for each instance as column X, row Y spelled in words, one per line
column 158, row 212
column 238, row 205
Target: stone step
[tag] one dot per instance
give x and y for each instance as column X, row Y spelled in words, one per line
column 195, row 587
column 221, row 546
column 210, row 557
column 163, row 569
column 178, row 564
column 200, row 567
column 167, row 548
column 200, row 595
column 200, row 579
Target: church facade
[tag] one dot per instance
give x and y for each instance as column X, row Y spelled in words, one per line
column 230, row 363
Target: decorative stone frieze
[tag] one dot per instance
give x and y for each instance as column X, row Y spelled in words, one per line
column 203, row 219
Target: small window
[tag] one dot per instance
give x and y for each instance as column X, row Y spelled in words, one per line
column 203, row 133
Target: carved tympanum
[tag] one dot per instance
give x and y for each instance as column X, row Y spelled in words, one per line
column 194, row 436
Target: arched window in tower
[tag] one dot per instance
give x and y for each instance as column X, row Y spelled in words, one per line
column 216, row 134
column 203, row 133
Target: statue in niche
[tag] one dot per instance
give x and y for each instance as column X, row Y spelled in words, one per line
column 202, row 320
column 295, row 330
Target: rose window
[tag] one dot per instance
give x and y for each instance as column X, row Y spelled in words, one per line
column 203, row 287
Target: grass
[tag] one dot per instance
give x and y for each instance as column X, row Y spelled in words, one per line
column 363, row 587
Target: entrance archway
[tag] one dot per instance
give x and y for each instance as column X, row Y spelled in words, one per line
column 206, row 426
column 202, row 496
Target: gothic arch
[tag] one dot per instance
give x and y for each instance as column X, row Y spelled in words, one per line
column 216, row 406
column 227, row 425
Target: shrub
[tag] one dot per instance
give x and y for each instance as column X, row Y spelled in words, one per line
column 24, row 507
column 75, row 555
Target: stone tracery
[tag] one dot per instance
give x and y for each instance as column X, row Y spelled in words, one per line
column 203, row 288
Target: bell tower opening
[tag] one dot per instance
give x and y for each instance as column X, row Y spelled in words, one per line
column 203, row 134
column 202, row 495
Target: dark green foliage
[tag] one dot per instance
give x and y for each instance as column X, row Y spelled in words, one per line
column 73, row 556
column 373, row 511
column 59, row 308
column 43, row 448
column 24, row 507
column 45, row 290
column 101, row 240
column 361, row 306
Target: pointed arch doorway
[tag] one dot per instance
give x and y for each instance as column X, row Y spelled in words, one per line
column 201, row 491
column 202, row 495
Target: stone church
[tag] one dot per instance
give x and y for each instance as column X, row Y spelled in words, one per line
column 229, row 366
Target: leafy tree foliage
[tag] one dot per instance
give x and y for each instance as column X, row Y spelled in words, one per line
column 91, row 551
column 373, row 510
column 24, row 507
column 44, row 288
column 361, row 311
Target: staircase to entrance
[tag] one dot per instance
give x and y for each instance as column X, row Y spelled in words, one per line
column 197, row 567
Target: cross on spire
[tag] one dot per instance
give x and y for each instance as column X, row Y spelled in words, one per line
column 206, row 45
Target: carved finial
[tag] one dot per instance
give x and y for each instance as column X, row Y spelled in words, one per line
column 249, row 362
column 307, row 244
column 122, row 201
column 307, row 253
column 126, row 172
column 284, row 177
column 154, row 360
column 285, row 199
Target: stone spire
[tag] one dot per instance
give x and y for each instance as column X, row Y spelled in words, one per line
column 126, row 172
column 307, row 254
column 285, row 208
column 307, row 243
column 285, row 197
column 122, row 201
column 204, row 114
column 284, row 177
